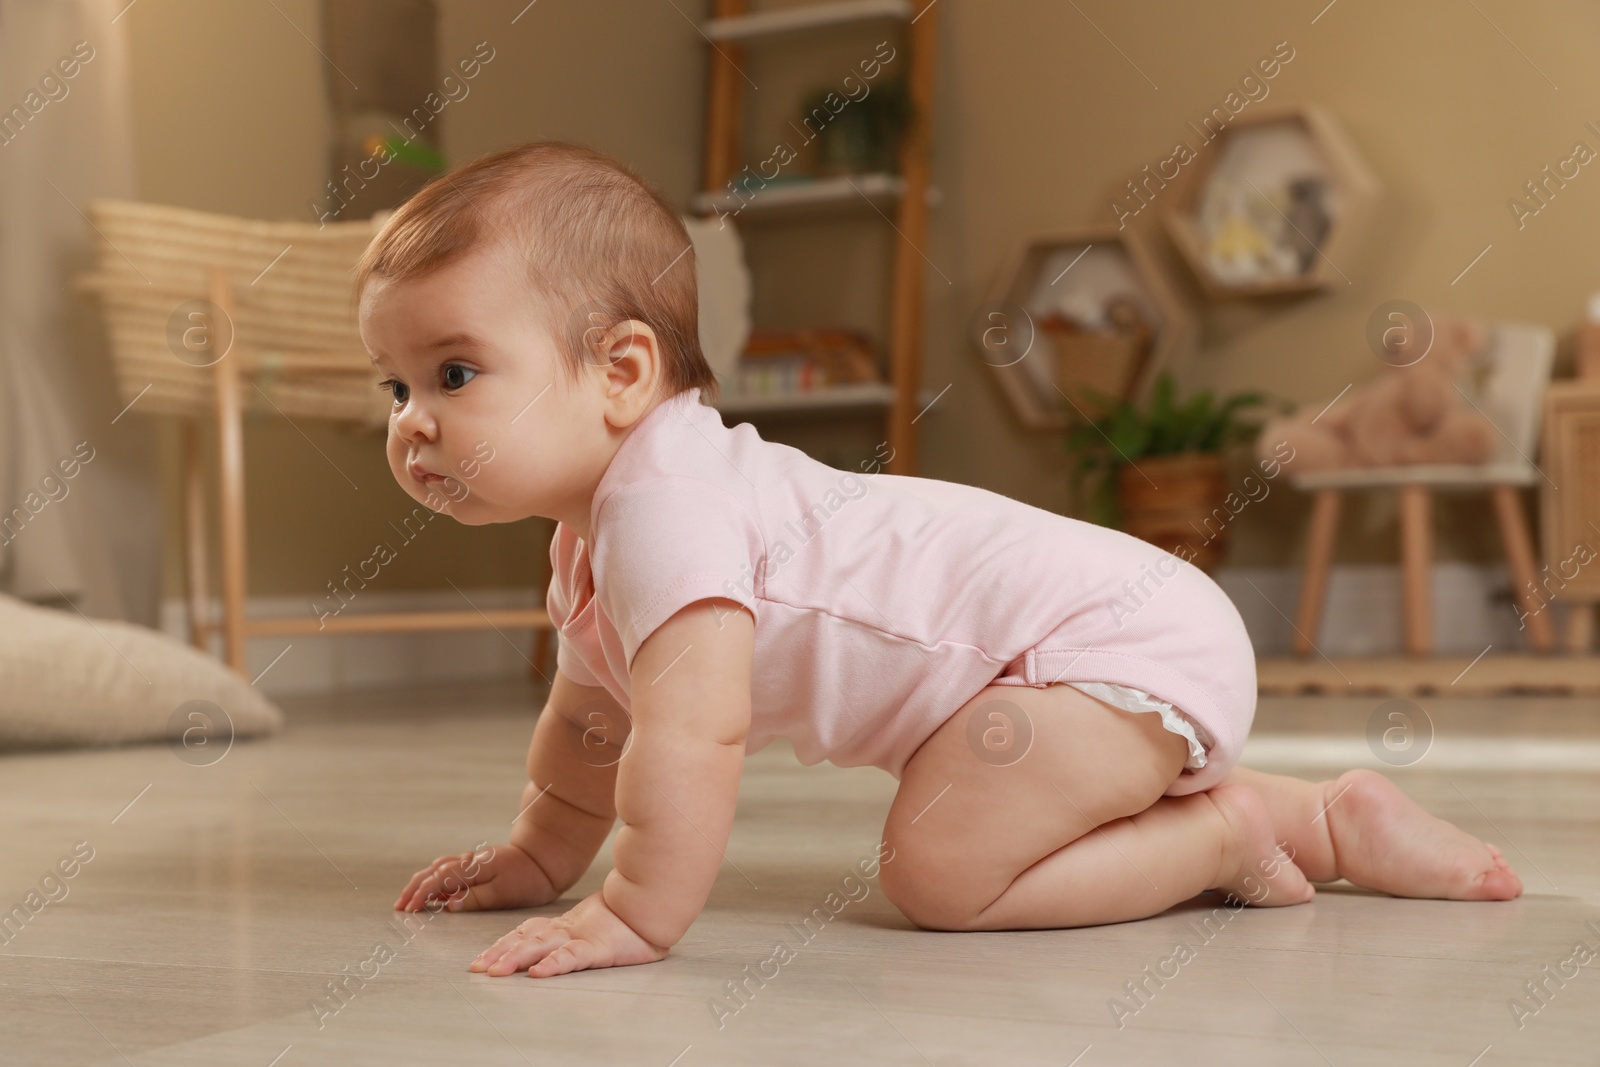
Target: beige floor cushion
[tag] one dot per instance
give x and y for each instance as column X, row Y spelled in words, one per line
column 67, row 680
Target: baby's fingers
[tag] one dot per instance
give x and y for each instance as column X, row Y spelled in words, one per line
column 574, row 955
column 490, row 893
column 488, row 956
column 524, row 950
column 415, row 881
column 442, row 878
column 416, row 891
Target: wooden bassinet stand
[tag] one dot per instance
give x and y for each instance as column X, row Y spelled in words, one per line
column 209, row 315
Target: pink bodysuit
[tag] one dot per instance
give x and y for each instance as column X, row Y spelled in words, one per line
column 883, row 603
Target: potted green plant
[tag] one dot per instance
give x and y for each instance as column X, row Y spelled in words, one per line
column 865, row 134
column 1156, row 471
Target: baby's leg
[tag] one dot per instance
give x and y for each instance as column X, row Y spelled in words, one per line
column 1362, row 828
column 1071, row 831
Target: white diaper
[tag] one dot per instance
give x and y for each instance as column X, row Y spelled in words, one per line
column 1129, row 699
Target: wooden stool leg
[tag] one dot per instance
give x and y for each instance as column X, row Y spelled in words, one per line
column 194, row 540
column 1416, row 568
column 1319, row 561
column 1519, row 554
column 230, row 462
column 1580, row 628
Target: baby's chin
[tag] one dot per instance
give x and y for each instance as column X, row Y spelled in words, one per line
column 467, row 515
column 472, row 511
column 469, row 510
column 434, row 501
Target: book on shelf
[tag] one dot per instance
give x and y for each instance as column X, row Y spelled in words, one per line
column 783, row 363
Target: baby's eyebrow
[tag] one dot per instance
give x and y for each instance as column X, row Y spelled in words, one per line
column 458, row 340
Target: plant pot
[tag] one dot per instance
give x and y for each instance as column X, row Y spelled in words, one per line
column 1183, row 512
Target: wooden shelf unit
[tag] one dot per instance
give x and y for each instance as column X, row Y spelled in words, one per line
column 902, row 199
column 780, row 200
column 838, row 399
column 744, row 27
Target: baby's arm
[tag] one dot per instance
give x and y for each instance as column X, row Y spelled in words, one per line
column 676, row 789
column 567, row 809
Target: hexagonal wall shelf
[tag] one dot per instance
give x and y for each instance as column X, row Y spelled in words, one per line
column 1276, row 202
column 1092, row 307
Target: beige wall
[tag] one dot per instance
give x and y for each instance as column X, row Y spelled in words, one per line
column 1040, row 118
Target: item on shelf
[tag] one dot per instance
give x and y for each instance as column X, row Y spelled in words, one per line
column 1101, row 348
column 1235, row 237
column 724, row 291
column 1076, row 274
column 1410, row 415
column 777, row 362
column 1251, row 237
column 863, row 135
column 1307, row 217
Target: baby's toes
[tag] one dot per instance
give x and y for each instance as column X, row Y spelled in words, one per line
column 1498, row 883
column 1494, row 880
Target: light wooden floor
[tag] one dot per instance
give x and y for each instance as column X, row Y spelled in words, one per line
column 219, row 904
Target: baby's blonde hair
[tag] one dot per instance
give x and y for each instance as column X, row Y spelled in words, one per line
column 600, row 244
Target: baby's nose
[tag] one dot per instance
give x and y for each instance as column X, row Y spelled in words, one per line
column 414, row 424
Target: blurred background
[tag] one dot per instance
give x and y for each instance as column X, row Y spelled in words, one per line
column 1264, row 183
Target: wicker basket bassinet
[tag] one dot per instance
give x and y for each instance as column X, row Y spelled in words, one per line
column 294, row 321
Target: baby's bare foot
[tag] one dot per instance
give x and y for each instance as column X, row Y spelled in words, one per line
column 1383, row 840
column 1253, row 867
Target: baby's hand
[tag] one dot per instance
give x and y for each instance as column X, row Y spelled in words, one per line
column 590, row 935
column 503, row 876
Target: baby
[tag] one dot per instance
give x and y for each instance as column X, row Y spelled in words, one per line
column 1062, row 704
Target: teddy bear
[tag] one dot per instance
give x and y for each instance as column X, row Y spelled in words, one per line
column 1410, row 414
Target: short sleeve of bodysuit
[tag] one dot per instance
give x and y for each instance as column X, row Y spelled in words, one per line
column 664, row 543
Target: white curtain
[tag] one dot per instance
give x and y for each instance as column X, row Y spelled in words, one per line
column 94, row 535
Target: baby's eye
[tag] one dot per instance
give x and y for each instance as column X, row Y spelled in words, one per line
column 453, row 375
column 396, row 389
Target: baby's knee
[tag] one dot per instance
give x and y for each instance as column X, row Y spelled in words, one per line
column 931, row 888
column 929, row 904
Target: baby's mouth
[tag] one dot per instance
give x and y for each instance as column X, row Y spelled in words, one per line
column 426, row 477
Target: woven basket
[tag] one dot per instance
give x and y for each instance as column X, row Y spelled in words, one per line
column 1106, row 363
column 294, row 322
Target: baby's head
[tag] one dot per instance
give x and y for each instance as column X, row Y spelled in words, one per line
column 525, row 311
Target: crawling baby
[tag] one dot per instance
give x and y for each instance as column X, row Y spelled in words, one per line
column 1062, row 704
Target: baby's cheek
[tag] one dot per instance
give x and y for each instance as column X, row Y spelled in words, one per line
column 395, row 450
